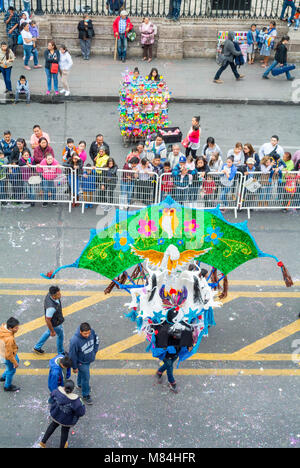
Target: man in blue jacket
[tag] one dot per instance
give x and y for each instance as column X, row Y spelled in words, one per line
column 60, row 371
column 83, row 349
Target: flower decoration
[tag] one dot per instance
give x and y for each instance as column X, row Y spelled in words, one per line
column 214, row 235
column 180, row 242
column 161, row 241
column 122, row 241
column 147, row 227
column 190, row 226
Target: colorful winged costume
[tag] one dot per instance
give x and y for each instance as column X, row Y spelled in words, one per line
column 155, row 254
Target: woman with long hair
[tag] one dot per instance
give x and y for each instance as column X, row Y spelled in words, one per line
column 280, row 58
column 52, row 57
column 65, row 65
column 7, row 58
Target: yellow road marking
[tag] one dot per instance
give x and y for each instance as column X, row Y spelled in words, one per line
column 71, row 309
column 42, row 292
column 189, row 372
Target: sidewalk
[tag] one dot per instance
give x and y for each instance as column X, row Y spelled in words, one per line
column 189, row 80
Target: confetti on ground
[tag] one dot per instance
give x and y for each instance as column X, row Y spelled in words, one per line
column 278, row 304
column 19, row 302
column 27, row 363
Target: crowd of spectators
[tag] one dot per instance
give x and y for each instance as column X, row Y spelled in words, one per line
column 31, row 172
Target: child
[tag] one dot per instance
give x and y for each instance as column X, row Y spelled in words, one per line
column 261, row 37
column 251, row 43
column 208, row 189
column 26, row 163
column 265, row 181
column 68, row 150
column 33, row 29
column 3, row 162
column 297, row 19
column 190, row 164
column 81, row 151
column 167, row 184
column 22, row 88
column 88, row 185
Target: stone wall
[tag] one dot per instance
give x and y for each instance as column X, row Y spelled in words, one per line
column 188, row 38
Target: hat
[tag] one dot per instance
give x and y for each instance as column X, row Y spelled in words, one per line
column 123, row 13
column 250, row 161
column 182, row 159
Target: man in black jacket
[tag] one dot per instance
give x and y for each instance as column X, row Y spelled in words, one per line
column 96, row 145
column 86, row 33
column 54, row 320
column 280, row 58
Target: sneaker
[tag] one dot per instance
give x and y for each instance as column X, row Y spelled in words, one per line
column 218, row 81
column 265, row 77
column 38, row 351
column 240, row 77
column 67, row 93
column 158, row 376
column 27, row 67
column 42, row 445
column 12, row 388
column 291, row 79
column 2, row 379
column 62, row 91
column 56, row 93
column 173, row 387
column 47, row 93
column 44, row 205
column 37, row 66
column 87, row 400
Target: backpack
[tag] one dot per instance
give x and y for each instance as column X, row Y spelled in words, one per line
column 239, row 59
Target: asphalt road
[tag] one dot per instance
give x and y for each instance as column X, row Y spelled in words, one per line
column 250, row 401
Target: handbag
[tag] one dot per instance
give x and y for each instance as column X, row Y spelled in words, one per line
column 54, row 68
column 131, row 35
column 185, row 142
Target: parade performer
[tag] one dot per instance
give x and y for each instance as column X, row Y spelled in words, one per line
column 154, row 254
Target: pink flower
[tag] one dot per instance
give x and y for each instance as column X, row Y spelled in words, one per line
column 190, row 226
column 146, row 227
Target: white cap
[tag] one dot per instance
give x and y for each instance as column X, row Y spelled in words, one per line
column 123, row 13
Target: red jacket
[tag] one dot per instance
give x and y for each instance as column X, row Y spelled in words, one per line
column 129, row 25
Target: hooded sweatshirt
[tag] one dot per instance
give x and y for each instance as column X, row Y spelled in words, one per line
column 56, row 374
column 83, row 350
column 66, row 408
column 8, row 346
column 229, row 50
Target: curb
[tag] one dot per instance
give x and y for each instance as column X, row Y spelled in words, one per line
column 42, row 99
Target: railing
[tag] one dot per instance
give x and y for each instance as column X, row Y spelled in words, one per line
column 161, row 8
column 130, row 189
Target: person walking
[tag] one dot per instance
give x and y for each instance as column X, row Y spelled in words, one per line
column 148, row 31
column 85, row 33
column 7, row 58
column 60, row 370
column 11, row 19
column 65, row 411
column 286, row 4
column 29, row 48
column 8, row 352
column 65, row 65
column 121, row 26
column 54, row 320
column 280, row 58
column 52, row 57
column 229, row 53
column 83, row 349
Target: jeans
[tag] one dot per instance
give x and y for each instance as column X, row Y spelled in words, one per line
column 168, row 366
column 126, row 192
column 48, row 187
column 273, row 65
column 64, row 433
column 29, row 191
column 83, row 379
column 9, row 372
column 223, row 67
column 122, row 46
column 224, row 194
column 284, row 7
column 13, row 42
column 85, row 46
column 59, row 339
column 297, row 23
column 3, row 193
column 17, row 96
column 27, row 6
column 6, row 72
column 176, row 8
column 28, row 50
column 51, row 76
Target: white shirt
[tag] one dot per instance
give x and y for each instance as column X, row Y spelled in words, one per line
column 26, row 35
column 65, row 61
column 267, row 148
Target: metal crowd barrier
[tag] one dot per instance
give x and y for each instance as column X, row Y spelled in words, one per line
column 95, row 186
column 25, row 186
column 28, row 185
column 274, row 190
column 202, row 192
